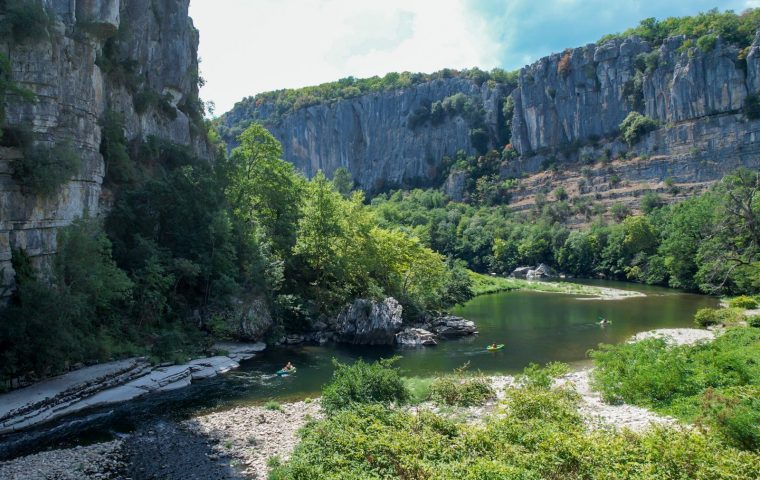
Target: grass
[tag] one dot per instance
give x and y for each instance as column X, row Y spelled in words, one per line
column 715, row 384
column 484, row 284
column 273, row 405
column 419, row 388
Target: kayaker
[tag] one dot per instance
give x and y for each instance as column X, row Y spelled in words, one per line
column 493, row 346
column 289, row 367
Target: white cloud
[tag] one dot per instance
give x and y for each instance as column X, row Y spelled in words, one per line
column 250, row 46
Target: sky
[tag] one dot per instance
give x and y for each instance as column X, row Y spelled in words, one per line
column 253, row 46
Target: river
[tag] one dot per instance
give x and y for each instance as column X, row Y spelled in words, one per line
column 535, row 327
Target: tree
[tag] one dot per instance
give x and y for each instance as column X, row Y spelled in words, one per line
column 263, row 189
column 730, row 258
column 342, row 181
column 319, row 230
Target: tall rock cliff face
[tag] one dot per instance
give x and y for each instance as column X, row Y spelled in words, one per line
column 377, row 137
column 97, row 56
column 569, row 106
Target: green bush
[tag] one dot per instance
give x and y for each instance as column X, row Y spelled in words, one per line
column 461, row 392
column 43, row 170
column 743, row 302
column 541, row 436
column 735, row 414
column 718, row 316
column 363, row 383
column 535, row 376
column 27, row 19
column 273, row 406
column 713, row 381
column 120, row 168
column 706, row 317
column 751, row 107
column 754, row 321
column 636, row 126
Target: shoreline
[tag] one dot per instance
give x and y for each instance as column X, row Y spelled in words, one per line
column 244, row 439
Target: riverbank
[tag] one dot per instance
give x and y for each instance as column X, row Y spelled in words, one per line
column 111, row 383
column 485, row 284
column 244, row 440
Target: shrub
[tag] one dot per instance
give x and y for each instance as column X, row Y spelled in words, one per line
column 744, row 302
column 541, row 436
column 706, row 317
column 27, row 19
column 273, row 406
column 754, row 321
column 651, row 202
column 563, row 66
column 43, row 170
column 718, row 316
column 363, row 383
column 751, row 107
column 734, row 413
column 535, row 376
column 461, row 392
column 113, row 146
column 636, row 126
column 707, row 42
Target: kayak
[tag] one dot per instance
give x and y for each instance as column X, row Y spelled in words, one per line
column 497, row 347
column 286, row 372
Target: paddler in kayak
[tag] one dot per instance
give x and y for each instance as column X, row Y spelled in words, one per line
column 288, row 368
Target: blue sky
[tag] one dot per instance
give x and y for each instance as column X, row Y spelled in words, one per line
column 251, row 46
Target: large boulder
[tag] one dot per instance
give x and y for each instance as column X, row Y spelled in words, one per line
column 248, row 320
column 521, row 272
column 450, row 326
column 415, row 337
column 369, row 322
column 541, row 271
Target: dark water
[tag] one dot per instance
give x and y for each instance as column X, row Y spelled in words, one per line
column 536, row 327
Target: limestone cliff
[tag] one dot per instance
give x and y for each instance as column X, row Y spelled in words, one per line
column 569, row 106
column 95, row 56
column 380, row 137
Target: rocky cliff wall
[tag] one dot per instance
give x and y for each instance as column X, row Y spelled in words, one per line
column 98, row 55
column 374, row 135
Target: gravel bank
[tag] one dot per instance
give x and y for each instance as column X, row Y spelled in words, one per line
column 101, row 461
column 253, row 435
column 677, row 336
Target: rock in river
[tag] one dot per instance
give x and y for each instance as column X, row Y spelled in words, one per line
column 415, row 337
column 369, row 322
column 450, row 326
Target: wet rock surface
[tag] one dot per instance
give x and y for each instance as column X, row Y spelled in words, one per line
column 451, row 326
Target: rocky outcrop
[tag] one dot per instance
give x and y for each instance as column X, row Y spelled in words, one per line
column 98, row 56
column 415, row 337
column 569, row 106
column 110, row 383
column 372, row 135
column 451, row 326
column 369, row 322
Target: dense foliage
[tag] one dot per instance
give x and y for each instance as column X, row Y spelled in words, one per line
column 717, row 383
column 461, row 391
column 42, row 170
column 540, row 435
column 361, row 383
column 738, row 29
column 188, row 242
column 708, row 242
